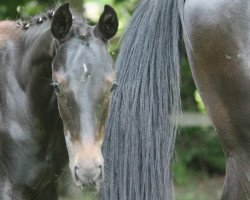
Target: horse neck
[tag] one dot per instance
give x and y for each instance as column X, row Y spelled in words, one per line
column 34, row 74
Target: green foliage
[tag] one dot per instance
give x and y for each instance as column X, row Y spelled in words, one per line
column 29, row 9
column 3, row 11
column 124, row 9
column 200, row 104
column 187, row 87
column 22, row 8
column 198, row 149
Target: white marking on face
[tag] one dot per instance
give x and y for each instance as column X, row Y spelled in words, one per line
column 85, row 68
column 71, row 153
column 85, row 72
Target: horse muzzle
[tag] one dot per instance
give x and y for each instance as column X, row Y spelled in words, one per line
column 88, row 176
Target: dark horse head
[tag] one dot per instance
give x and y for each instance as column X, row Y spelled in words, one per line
column 55, row 82
column 82, row 76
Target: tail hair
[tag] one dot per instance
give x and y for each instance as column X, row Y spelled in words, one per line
column 141, row 126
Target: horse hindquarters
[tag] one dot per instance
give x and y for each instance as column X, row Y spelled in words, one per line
column 217, row 40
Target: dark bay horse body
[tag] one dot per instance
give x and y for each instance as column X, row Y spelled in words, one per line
column 61, row 51
column 141, row 126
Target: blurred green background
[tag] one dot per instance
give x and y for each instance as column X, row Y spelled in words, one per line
column 199, row 164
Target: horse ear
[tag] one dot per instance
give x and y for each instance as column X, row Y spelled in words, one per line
column 107, row 25
column 61, row 22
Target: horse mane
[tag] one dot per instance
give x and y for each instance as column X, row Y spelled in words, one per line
column 12, row 30
column 35, row 21
column 142, row 122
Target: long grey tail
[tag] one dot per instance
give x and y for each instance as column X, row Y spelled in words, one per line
column 141, row 127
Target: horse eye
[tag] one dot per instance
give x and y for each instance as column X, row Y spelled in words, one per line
column 56, row 86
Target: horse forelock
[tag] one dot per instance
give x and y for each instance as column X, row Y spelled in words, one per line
column 13, row 30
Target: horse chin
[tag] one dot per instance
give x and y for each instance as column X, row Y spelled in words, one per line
column 93, row 187
column 87, row 186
